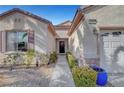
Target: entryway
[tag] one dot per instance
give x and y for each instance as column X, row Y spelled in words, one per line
column 61, row 45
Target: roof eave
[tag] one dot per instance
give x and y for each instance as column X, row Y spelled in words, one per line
column 78, row 17
column 25, row 13
column 52, row 30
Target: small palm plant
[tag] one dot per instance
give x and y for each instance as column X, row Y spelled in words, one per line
column 24, row 35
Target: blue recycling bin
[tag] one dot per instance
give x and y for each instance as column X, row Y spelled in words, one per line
column 102, row 76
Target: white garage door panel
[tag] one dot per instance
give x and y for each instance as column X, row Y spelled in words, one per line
column 112, row 53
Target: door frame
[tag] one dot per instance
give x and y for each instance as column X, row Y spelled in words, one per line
column 57, row 44
column 60, row 45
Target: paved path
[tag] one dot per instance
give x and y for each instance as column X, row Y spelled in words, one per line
column 117, row 80
column 62, row 76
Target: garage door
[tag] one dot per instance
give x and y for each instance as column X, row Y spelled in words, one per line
column 112, row 51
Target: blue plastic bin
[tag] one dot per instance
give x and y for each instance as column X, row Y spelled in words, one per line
column 102, row 76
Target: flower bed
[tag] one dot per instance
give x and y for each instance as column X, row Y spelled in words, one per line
column 83, row 76
column 71, row 60
column 28, row 59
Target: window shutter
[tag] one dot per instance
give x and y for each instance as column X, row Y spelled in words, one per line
column 0, row 41
column 31, row 40
column 3, row 45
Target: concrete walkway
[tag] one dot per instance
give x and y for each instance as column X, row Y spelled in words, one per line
column 117, row 80
column 62, row 76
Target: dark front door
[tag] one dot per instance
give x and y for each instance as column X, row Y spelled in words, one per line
column 61, row 47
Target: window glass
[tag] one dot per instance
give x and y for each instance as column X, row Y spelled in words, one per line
column 22, row 41
column 17, row 41
column 11, row 41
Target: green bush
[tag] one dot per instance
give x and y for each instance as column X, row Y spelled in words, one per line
column 29, row 57
column 68, row 53
column 71, row 60
column 53, row 57
column 84, row 77
column 44, row 59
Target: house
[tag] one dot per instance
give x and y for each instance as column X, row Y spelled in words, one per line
column 21, row 30
column 97, row 36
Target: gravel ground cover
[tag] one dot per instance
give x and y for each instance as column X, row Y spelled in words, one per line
column 31, row 77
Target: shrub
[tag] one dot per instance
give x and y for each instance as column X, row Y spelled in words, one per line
column 71, row 60
column 29, row 57
column 69, row 53
column 30, row 53
column 84, row 77
column 10, row 59
column 44, row 58
column 53, row 57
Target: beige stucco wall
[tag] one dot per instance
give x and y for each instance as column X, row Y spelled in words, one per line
column 106, row 16
column 27, row 23
column 51, row 42
column 62, row 33
column 82, row 43
column 111, row 15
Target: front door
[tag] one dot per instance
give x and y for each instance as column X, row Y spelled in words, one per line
column 61, row 47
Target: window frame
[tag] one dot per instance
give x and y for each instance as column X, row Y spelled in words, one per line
column 17, row 41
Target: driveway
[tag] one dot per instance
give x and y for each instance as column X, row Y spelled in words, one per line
column 32, row 77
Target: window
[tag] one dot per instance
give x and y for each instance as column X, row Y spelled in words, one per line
column 22, row 41
column 17, row 20
column 105, row 34
column 17, row 41
column 116, row 33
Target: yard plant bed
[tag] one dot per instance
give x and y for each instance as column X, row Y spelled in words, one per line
column 29, row 59
column 31, row 77
column 82, row 76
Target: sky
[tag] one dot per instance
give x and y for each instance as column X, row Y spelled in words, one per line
column 54, row 13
